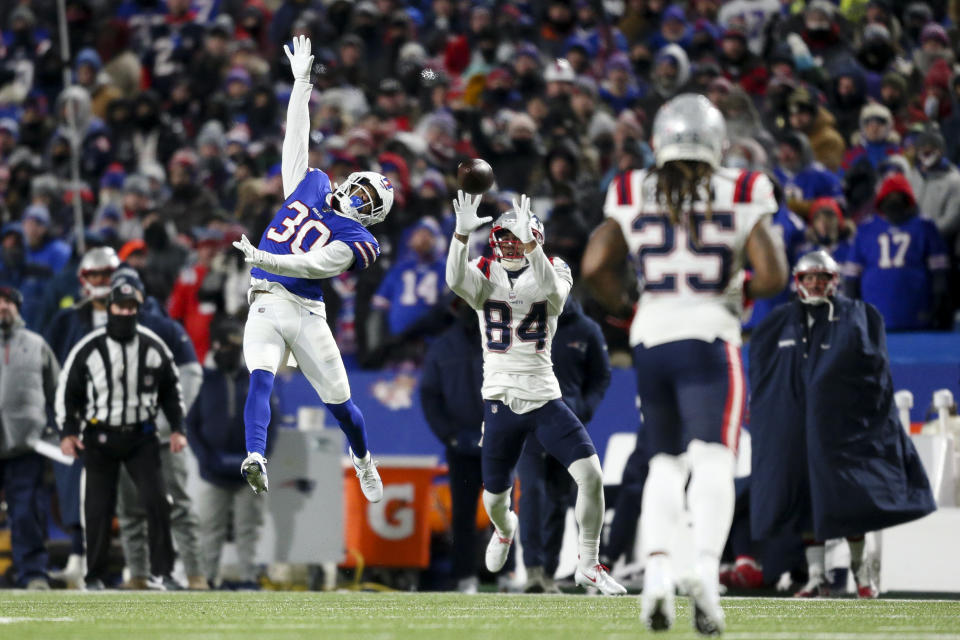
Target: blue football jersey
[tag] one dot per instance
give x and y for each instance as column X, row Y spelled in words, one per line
column 306, row 221
column 410, row 289
column 894, row 265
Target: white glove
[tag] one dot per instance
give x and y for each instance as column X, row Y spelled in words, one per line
column 257, row 257
column 301, row 62
column 465, row 206
column 519, row 224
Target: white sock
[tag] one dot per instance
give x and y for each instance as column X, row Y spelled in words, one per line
column 816, row 560
column 662, row 504
column 498, row 506
column 856, row 553
column 589, row 508
column 710, row 496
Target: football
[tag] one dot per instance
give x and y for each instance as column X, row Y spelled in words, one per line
column 475, row 176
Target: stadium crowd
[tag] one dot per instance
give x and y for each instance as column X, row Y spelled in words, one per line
column 177, row 109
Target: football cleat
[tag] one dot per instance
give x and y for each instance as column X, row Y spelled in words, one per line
column 254, row 471
column 597, row 577
column 708, row 618
column 534, row 582
column 499, row 546
column 370, row 482
column 816, row 587
column 657, row 609
column 866, row 589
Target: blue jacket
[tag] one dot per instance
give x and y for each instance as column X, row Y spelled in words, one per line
column 828, row 452
column 70, row 325
column 580, row 361
column 53, row 254
column 215, row 428
column 450, row 385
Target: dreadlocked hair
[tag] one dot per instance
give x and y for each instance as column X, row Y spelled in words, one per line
column 678, row 187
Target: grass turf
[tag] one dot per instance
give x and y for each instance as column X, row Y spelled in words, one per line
column 65, row 615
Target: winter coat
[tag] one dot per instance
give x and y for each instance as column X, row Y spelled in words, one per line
column 28, row 383
column 828, row 452
column 938, row 195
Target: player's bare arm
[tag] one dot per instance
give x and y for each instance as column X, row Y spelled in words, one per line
column 296, row 139
column 768, row 261
column 603, row 263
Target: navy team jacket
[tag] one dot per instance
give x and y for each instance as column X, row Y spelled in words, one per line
column 829, row 454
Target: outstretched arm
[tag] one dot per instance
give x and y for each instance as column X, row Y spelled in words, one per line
column 554, row 282
column 469, row 284
column 324, row 262
column 296, row 141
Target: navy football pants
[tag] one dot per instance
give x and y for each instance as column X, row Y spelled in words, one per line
column 556, row 427
column 689, row 390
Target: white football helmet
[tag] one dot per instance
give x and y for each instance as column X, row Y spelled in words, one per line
column 689, row 127
column 509, row 251
column 102, row 260
column 365, row 196
column 816, row 262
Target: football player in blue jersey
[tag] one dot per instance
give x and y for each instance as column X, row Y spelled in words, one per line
column 319, row 232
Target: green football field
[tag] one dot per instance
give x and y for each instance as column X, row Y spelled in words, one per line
column 63, row 615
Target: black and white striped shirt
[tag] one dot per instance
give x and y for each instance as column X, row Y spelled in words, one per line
column 108, row 384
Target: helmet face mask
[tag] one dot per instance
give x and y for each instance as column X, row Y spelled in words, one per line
column 365, row 196
column 96, row 267
column 507, row 248
column 827, row 283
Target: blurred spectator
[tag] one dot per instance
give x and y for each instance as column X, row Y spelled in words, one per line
column 18, row 272
column 671, row 71
column 740, row 65
column 191, row 301
column 829, row 231
column 42, row 248
column 934, row 102
column 899, row 262
column 619, row 89
column 414, row 284
column 803, row 179
column 215, row 432
column 27, row 390
column 848, row 95
column 874, row 142
column 936, row 184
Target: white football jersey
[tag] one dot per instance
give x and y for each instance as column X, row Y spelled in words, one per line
column 518, row 319
column 689, row 290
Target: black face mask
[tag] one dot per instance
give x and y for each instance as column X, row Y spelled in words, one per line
column 523, row 146
column 896, row 208
column 121, row 328
column 227, row 359
column 641, row 66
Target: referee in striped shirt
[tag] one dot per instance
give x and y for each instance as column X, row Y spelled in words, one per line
column 112, row 385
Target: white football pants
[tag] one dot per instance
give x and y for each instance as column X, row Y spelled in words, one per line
column 277, row 326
